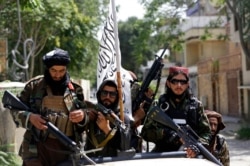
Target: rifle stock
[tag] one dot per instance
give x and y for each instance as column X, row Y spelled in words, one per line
column 184, row 132
column 10, row 101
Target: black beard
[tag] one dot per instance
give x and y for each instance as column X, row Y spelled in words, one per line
column 112, row 106
column 57, row 87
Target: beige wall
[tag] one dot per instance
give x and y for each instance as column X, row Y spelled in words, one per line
column 213, row 49
column 223, row 97
column 218, row 70
column 246, row 104
column 216, row 60
column 197, row 32
column 192, row 53
column 205, row 89
column 203, row 50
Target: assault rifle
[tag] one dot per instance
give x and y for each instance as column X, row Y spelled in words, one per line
column 111, row 116
column 11, row 102
column 115, row 120
column 154, row 73
column 185, row 132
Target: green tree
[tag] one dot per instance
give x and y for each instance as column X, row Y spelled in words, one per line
column 69, row 24
column 241, row 13
column 164, row 16
column 140, row 39
column 134, row 44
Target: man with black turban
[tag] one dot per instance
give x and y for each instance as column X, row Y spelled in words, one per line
column 56, row 97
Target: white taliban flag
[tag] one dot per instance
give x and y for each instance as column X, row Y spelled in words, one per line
column 108, row 62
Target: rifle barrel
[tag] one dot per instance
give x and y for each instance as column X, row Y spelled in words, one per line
column 187, row 134
column 61, row 136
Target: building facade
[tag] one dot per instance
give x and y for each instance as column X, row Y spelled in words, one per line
column 215, row 60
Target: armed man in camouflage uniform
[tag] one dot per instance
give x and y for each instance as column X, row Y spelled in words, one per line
column 101, row 132
column 139, row 114
column 218, row 145
column 55, row 96
column 180, row 105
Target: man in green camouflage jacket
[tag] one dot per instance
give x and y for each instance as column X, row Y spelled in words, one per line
column 101, row 130
column 55, row 96
column 181, row 106
column 218, row 145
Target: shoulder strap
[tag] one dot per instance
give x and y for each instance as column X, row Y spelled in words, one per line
column 105, row 141
column 73, row 95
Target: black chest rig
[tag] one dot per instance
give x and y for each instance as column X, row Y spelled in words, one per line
column 185, row 112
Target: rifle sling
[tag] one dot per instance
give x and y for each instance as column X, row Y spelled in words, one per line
column 105, row 141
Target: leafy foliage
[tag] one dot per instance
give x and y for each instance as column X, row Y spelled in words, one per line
column 69, row 24
column 164, row 16
column 244, row 133
column 9, row 158
column 241, row 13
column 134, row 44
column 140, row 39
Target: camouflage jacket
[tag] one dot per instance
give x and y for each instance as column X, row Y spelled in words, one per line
column 32, row 95
column 165, row 139
column 220, row 150
column 95, row 138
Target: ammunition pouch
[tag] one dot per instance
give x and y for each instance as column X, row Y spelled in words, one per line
column 57, row 114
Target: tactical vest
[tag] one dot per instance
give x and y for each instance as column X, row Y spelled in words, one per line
column 187, row 113
column 57, row 113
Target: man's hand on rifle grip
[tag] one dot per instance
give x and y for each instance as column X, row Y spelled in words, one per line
column 37, row 121
column 92, row 113
column 192, row 151
column 103, row 123
column 76, row 116
column 139, row 115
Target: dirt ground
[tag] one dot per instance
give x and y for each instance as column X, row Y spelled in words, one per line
column 238, row 149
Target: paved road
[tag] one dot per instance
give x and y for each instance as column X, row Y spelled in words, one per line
column 239, row 152
column 239, row 149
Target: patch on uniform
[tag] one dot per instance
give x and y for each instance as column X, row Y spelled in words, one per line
column 180, row 121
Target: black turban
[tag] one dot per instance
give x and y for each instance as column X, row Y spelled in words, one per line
column 56, row 57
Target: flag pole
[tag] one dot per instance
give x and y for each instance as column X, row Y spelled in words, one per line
column 118, row 60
